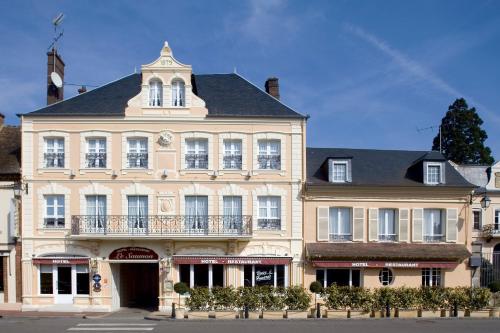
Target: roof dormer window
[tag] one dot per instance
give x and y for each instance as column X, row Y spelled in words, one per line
column 178, row 93
column 155, row 93
column 339, row 171
column 433, row 173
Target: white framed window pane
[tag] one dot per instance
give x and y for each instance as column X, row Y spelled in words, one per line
column 433, row 174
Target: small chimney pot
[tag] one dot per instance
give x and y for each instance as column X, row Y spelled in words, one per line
column 82, row 90
column 272, row 87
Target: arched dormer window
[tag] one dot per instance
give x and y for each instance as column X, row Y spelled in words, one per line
column 155, row 93
column 178, row 93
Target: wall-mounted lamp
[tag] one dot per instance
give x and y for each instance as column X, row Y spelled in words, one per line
column 164, row 174
column 485, row 202
column 114, row 174
column 19, row 187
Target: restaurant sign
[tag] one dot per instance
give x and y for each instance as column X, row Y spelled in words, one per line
column 133, row 253
column 61, row 261
column 383, row 264
column 232, row 260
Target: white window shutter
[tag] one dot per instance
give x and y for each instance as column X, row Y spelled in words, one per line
column 373, row 224
column 425, row 172
column 358, row 228
column 330, row 171
column 418, row 224
column 451, row 225
column 349, row 172
column 404, row 224
column 443, row 173
column 322, row 216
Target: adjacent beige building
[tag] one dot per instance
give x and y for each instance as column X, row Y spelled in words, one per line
column 378, row 218
column 159, row 177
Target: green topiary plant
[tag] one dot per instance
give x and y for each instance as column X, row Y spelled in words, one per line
column 200, row 299
column 224, row 298
column 297, row 298
column 316, row 288
column 181, row 288
column 406, row 298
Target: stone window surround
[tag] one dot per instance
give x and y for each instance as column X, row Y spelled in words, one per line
column 41, row 150
column 244, row 151
column 54, row 189
column 137, row 134
column 269, row 190
column 233, row 190
column 83, row 149
column 196, row 135
column 95, row 189
column 137, row 189
column 196, row 189
column 269, row 136
column 167, row 91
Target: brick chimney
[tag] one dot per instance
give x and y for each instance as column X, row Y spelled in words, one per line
column 273, row 87
column 82, row 90
column 54, row 64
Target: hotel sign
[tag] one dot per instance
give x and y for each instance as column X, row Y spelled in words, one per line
column 231, row 260
column 383, row 264
column 61, row 261
column 133, row 253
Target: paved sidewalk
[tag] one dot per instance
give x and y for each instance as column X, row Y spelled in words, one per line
column 44, row 314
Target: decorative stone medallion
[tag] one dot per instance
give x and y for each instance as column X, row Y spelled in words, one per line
column 166, row 138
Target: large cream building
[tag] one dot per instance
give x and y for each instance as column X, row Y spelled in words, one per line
column 159, row 177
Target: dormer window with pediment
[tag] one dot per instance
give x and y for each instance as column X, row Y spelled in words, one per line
column 155, row 92
column 178, row 93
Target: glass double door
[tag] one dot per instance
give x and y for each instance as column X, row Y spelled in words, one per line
column 63, row 288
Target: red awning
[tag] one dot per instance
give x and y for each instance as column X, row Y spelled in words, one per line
column 223, row 260
column 382, row 264
column 61, row 260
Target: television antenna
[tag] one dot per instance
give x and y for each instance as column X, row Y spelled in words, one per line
column 430, row 128
column 57, row 21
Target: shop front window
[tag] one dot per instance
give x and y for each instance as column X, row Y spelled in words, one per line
column 46, row 286
column 339, row 277
column 82, row 280
column 264, row 275
column 202, row 275
column 431, row 277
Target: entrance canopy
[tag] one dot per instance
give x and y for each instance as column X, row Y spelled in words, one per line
column 228, row 260
column 62, row 259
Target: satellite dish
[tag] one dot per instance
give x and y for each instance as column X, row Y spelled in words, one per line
column 56, row 79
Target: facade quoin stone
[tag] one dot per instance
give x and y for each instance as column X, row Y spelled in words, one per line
column 169, row 176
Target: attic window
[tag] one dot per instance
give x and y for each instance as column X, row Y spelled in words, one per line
column 155, row 93
column 178, row 93
column 434, row 173
column 339, row 171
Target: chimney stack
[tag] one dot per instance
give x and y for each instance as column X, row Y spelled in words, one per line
column 82, row 90
column 2, row 120
column 273, row 87
column 54, row 64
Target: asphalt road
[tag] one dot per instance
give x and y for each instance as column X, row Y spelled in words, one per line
column 130, row 324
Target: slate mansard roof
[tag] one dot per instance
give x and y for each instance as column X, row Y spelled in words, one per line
column 372, row 167
column 10, row 152
column 226, row 95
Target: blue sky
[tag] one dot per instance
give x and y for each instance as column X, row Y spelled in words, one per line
column 369, row 73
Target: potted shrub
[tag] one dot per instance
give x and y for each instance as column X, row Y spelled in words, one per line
column 336, row 299
column 272, row 302
column 200, row 301
column 405, row 302
column 297, row 301
column 224, row 302
column 248, row 297
column 359, row 302
column 432, row 300
column 383, row 297
column 316, row 288
column 181, row 289
column 478, row 302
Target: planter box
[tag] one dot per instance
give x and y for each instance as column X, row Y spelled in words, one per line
column 495, row 313
column 180, row 313
column 406, row 314
column 377, row 314
column 359, row 314
column 432, row 314
column 225, row 314
column 296, row 314
column 481, row 314
column 339, row 314
column 273, row 315
column 197, row 314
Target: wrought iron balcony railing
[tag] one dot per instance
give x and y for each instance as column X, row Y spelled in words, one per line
column 269, row 224
column 387, row 237
column 162, row 225
column 196, row 161
column 272, row 162
column 340, row 238
column 53, row 222
column 433, row 238
column 54, row 160
column 96, row 160
column 232, row 162
column 137, row 160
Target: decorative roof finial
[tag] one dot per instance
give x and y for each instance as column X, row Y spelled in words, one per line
column 166, row 49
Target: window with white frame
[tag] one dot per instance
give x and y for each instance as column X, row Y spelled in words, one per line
column 155, row 93
column 137, row 213
column 96, row 213
column 387, row 225
column 340, row 224
column 137, row 153
column 496, row 226
column 385, row 276
column 477, row 217
column 196, row 213
column 269, row 213
column 339, row 171
column 46, row 280
column 202, row 275
column 434, row 173
column 82, row 279
column 196, row 153
column 264, row 275
column 434, row 225
column 232, row 212
column 269, row 156
column 339, row 276
column 54, row 153
column 54, row 211
column 431, row 277
column 232, row 154
column 96, row 153
column 178, row 93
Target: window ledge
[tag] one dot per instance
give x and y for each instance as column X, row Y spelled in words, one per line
column 53, row 170
column 107, row 171
column 52, row 230
column 136, row 170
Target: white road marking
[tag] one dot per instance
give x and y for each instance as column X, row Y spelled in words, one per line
column 112, row 327
column 116, row 324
